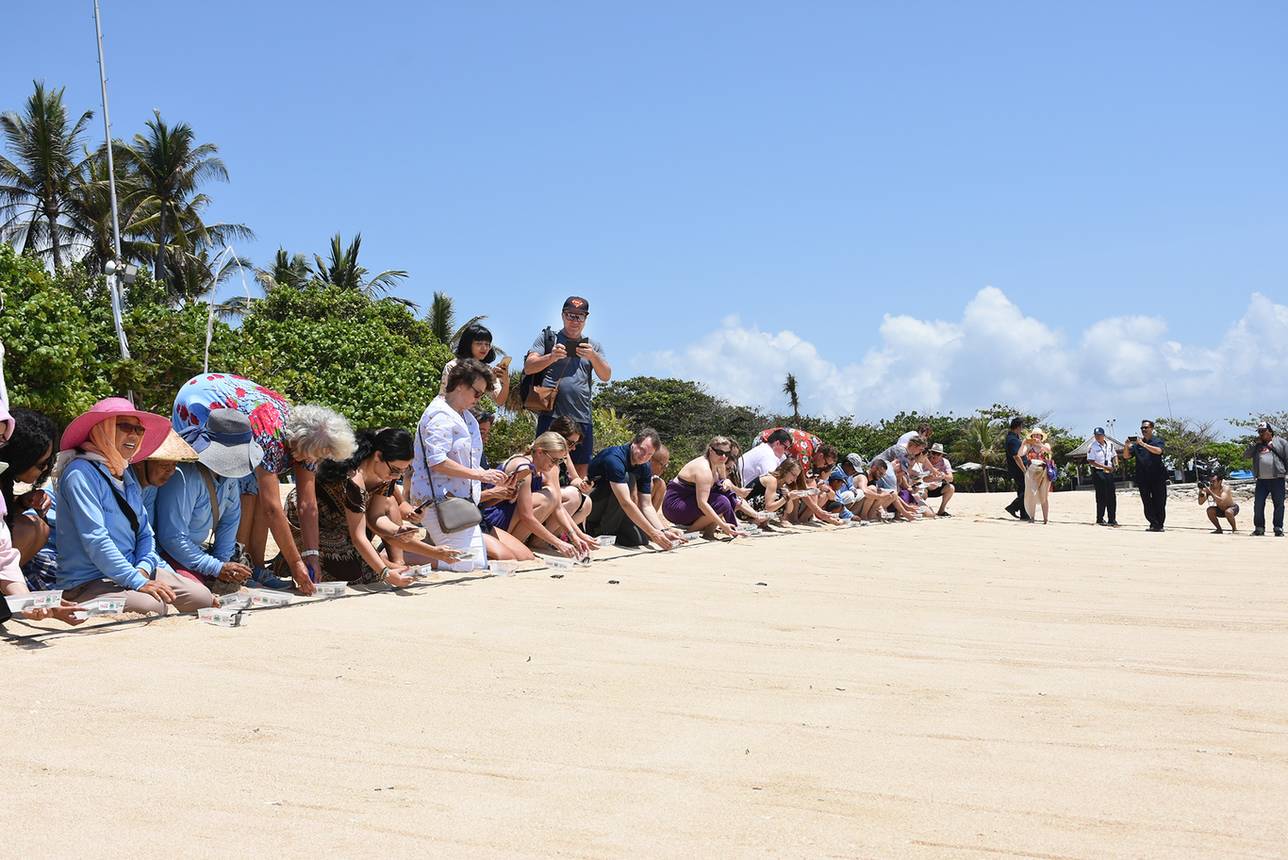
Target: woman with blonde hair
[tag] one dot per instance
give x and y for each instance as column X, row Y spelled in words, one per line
column 537, row 511
column 294, row 439
column 1036, row 454
column 694, row 498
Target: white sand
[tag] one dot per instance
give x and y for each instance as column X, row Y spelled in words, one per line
column 965, row 688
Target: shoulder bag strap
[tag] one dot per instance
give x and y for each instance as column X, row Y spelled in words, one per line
column 214, row 502
column 129, row 512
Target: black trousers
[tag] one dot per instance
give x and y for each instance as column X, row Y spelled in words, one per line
column 608, row 518
column 1153, row 498
column 1106, row 500
column 1017, row 482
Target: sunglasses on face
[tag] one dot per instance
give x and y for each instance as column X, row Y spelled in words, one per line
column 575, row 317
column 721, row 452
column 478, row 392
column 132, row 429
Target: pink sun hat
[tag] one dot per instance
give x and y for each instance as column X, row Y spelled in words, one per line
column 156, row 428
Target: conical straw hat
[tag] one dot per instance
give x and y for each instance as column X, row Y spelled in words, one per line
column 175, row 450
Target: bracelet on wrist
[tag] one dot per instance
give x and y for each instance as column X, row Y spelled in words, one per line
column 310, row 552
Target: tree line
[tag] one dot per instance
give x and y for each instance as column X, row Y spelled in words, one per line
column 326, row 330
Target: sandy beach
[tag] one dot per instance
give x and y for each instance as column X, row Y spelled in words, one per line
column 971, row 687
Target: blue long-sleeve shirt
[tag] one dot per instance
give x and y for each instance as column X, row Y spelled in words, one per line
column 95, row 540
column 184, row 519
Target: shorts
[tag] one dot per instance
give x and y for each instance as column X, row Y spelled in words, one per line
column 249, row 485
column 937, row 492
column 1233, row 510
column 585, row 451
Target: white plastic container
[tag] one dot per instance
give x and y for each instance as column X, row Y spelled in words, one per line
column 503, row 568
column 606, row 540
column 236, row 600
column 35, row 600
column 262, row 598
column 690, row 536
column 221, row 617
column 331, row 589
column 102, row 606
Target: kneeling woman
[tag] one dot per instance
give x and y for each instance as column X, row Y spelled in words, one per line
column 105, row 544
column 354, row 498
column 538, row 507
column 694, row 498
column 769, row 491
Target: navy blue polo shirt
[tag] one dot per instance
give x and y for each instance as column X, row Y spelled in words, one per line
column 612, row 465
column 1149, row 464
column 1013, row 445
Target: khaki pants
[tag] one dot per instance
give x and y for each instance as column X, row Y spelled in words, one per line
column 189, row 596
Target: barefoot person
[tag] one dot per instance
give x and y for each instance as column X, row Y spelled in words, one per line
column 694, row 499
column 536, row 514
column 1220, row 502
column 294, row 438
column 623, row 476
column 447, row 463
column 106, row 546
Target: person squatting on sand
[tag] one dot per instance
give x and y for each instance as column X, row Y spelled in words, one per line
column 1220, row 502
column 294, row 439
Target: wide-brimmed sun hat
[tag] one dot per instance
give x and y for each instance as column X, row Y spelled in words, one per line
column 1037, row 431
column 225, row 444
column 174, row 450
column 155, row 427
column 937, row 448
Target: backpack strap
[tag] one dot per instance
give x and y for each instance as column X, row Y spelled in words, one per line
column 129, row 512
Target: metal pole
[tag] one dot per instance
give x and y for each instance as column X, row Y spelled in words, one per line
column 113, row 285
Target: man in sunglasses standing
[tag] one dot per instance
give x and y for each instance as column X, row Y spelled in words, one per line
column 1151, row 473
column 571, row 361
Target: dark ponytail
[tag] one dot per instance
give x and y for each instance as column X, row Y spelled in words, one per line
column 393, row 443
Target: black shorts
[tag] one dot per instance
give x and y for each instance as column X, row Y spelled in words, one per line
column 937, row 492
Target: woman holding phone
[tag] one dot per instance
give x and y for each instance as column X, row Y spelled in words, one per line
column 447, row 463
column 476, row 343
column 356, row 498
column 1036, row 454
column 537, row 511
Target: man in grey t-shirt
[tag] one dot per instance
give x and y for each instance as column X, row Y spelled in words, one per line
column 572, row 359
column 1269, row 465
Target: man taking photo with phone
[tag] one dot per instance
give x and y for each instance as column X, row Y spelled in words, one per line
column 1151, row 473
column 568, row 361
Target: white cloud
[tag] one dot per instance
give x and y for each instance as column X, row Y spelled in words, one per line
column 1122, row 366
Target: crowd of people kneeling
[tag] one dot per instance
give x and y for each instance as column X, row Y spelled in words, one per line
column 161, row 512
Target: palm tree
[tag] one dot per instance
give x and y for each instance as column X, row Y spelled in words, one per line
column 442, row 318
column 980, row 442
column 167, row 168
column 342, row 270
column 35, row 188
column 289, row 271
column 789, row 388
column 89, row 216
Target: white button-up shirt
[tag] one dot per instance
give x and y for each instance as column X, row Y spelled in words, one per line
column 1102, row 454
column 443, row 434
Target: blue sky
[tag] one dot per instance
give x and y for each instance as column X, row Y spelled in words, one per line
column 743, row 189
